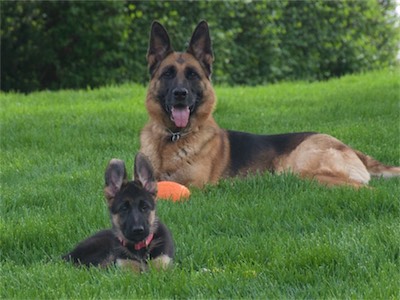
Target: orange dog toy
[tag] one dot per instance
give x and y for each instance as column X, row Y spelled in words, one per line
column 174, row 191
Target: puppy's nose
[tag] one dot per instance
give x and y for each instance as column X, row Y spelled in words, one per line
column 180, row 93
column 138, row 229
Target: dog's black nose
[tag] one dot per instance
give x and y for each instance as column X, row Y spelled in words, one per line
column 180, row 93
column 138, row 229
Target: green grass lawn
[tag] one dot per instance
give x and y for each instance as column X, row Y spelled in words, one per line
column 263, row 237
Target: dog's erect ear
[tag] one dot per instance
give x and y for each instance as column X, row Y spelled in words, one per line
column 114, row 177
column 144, row 173
column 200, row 46
column 159, row 46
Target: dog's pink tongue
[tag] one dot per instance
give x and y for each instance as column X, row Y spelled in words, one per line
column 180, row 116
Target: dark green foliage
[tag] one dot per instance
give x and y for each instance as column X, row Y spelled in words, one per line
column 65, row 44
column 336, row 37
column 60, row 44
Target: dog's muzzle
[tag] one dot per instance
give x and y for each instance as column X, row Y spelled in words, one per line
column 180, row 110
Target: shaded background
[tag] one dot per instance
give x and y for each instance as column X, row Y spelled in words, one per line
column 67, row 44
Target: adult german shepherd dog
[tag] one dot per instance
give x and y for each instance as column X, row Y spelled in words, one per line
column 137, row 236
column 186, row 145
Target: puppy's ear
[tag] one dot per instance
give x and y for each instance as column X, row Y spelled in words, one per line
column 114, row 176
column 144, row 173
column 200, row 46
column 159, row 46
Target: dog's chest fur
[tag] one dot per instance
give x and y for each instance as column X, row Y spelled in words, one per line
column 186, row 160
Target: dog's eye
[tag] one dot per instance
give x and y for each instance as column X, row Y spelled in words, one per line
column 169, row 73
column 125, row 206
column 144, row 207
column 191, row 74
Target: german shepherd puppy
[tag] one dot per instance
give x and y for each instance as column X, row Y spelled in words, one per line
column 185, row 144
column 137, row 236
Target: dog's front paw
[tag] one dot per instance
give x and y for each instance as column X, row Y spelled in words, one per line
column 133, row 265
column 161, row 262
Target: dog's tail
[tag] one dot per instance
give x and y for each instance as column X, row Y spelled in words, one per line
column 376, row 168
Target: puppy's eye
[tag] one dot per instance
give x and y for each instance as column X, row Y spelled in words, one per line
column 144, row 207
column 125, row 206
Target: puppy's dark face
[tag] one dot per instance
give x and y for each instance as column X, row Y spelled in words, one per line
column 133, row 213
column 131, row 203
column 180, row 88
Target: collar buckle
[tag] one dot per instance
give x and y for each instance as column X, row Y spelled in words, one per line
column 175, row 136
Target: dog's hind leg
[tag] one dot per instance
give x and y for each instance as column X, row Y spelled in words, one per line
column 329, row 161
column 335, row 180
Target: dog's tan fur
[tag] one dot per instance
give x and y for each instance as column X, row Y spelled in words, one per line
column 327, row 160
column 203, row 154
